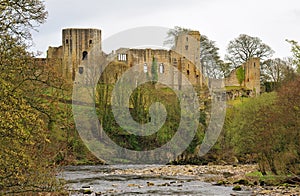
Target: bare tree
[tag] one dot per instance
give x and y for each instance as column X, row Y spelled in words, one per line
column 172, row 35
column 19, row 17
column 275, row 71
column 244, row 47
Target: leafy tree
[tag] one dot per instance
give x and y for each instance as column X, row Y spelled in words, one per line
column 288, row 103
column 296, row 53
column 260, row 130
column 210, row 59
column 240, row 74
column 154, row 73
column 250, row 130
column 244, row 47
column 225, row 68
column 26, row 117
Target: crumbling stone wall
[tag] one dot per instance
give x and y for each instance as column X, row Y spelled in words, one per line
column 77, row 44
column 170, row 65
column 252, row 76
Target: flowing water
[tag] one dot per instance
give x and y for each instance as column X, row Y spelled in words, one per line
column 101, row 179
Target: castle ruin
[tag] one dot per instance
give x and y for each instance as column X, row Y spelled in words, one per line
column 68, row 59
column 251, row 81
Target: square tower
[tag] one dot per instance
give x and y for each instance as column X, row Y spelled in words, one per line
column 77, row 44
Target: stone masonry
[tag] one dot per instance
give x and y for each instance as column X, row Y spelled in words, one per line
column 77, row 44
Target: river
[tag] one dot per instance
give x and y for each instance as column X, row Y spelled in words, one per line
column 103, row 179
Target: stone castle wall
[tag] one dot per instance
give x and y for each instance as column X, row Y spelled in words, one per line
column 78, row 43
column 170, row 65
column 252, row 76
column 69, row 59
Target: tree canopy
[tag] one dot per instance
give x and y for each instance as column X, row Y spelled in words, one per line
column 25, row 117
column 210, row 59
column 244, row 47
column 276, row 71
column 19, row 17
column 296, row 53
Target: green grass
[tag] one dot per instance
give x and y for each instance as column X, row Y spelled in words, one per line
column 238, row 101
column 254, row 174
column 269, row 179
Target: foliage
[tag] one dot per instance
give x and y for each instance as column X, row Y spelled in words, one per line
column 244, row 47
column 36, row 129
column 139, row 106
column 296, row 53
column 275, row 71
column 23, row 138
column 18, row 18
column 25, row 120
column 154, row 73
column 288, row 103
column 26, row 116
column 210, row 59
column 240, row 75
column 259, row 130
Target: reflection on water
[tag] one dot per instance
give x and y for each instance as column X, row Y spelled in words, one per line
column 100, row 179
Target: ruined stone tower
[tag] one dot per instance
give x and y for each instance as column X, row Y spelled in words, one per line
column 75, row 49
column 252, row 76
column 188, row 45
column 76, row 45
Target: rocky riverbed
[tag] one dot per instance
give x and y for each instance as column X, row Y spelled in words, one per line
column 218, row 175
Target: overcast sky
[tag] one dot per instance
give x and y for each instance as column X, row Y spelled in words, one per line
column 273, row 21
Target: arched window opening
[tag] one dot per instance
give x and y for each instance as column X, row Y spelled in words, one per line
column 161, row 68
column 145, row 68
column 67, row 41
column 84, row 55
column 91, row 41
